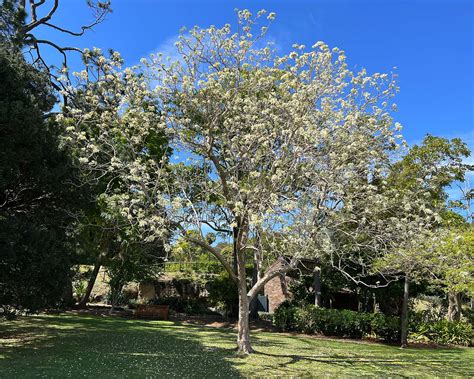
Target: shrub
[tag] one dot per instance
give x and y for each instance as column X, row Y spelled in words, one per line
column 334, row 322
column 424, row 326
column 444, row 332
column 386, row 328
column 80, row 289
column 468, row 313
column 188, row 306
column 265, row 316
column 223, row 294
column 284, row 317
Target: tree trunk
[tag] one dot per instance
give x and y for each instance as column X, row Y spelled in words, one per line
column 90, row 284
column 404, row 320
column 243, row 336
column 115, row 293
column 235, row 248
column 67, row 297
column 256, row 275
column 360, row 304
column 454, row 307
column 317, row 287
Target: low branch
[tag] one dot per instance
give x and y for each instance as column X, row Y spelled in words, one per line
column 279, row 267
column 210, row 249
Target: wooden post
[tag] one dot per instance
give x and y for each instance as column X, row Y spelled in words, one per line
column 317, row 287
column 404, row 320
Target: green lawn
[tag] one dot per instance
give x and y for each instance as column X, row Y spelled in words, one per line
column 92, row 346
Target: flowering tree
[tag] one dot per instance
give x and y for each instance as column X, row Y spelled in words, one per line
column 286, row 155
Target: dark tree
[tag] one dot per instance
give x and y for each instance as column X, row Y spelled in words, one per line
column 37, row 195
column 20, row 20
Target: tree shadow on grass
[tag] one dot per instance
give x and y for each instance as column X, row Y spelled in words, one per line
column 373, row 362
column 110, row 347
column 95, row 346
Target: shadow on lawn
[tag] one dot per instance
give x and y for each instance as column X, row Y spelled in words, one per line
column 379, row 361
column 109, row 347
column 95, row 346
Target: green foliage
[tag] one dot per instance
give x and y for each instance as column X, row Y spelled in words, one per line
column 444, row 332
column 132, row 262
column 334, row 322
column 455, row 261
column 34, row 265
column 431, row 326
column 425, row 317
column 80, row 287
column 12, row 19
column 37, row 196
column 284, row 317
column 223, row 294
column 189, row 306
column 384, row 327
column 433, row 165
column 191, row 258
column 265, row 316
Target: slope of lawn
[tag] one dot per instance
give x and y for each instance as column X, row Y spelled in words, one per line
column 93, row 346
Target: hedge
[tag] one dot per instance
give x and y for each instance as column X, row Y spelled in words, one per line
column 349, row 324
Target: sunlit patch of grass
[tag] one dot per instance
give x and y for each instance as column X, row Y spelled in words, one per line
column 82, row 345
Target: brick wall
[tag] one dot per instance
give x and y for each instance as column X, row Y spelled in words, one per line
column 277, row 292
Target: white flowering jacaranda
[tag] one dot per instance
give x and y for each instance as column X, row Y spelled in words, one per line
column 286, row 154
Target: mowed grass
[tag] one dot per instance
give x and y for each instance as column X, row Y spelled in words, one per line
column 74, row 346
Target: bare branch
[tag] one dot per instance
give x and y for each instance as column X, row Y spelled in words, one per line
column 27, row 28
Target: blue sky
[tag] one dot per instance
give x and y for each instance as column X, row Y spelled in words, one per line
column 430, row 43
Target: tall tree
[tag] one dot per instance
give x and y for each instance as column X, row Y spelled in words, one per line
column 20, row 21
column 454, row 263
column 37, row 195
column 427, row 169
column 284, row 150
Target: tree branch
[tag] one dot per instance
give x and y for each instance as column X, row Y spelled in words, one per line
column 27, row 28
column 216, row 228
column 214, row 252
column 280, row 266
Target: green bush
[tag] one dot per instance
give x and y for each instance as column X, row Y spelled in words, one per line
column 223, row 294
column 423, row 326
column 334, row 322
column 444, row 332
column 386, row 328
column 265, row 316
column 284, row 317
column 189, row 306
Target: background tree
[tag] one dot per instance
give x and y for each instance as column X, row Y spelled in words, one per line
column 132, row 262
column 428, row 169
column 454, row 262
column 20, row 21
column 37, row 195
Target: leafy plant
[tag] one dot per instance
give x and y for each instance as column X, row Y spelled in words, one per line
column 223, row 294
column 334, row 322
column 445, row 332
column 189, row 306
